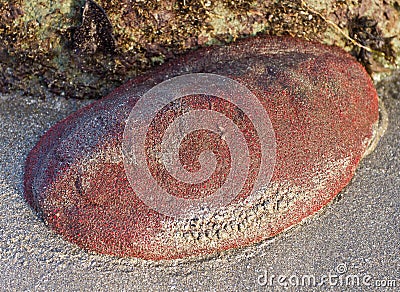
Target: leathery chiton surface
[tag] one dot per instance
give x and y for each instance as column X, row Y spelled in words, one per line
column 99, row 176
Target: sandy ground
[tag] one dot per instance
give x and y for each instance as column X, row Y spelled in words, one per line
column 357, row 237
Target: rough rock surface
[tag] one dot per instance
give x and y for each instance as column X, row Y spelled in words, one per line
column 85, row 49
column 322, row 106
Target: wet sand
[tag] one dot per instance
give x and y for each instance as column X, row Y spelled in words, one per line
column 356, row 235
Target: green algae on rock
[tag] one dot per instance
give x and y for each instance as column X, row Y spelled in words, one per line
column 39, row 39
column 322, row 106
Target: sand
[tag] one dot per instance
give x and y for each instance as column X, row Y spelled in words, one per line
column 356, row 235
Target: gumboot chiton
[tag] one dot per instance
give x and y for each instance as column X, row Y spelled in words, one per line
column 323, row 109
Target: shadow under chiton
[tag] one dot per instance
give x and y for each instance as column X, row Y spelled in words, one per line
column 276, row 149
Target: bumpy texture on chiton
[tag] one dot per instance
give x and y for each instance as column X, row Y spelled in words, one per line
column 323, row 109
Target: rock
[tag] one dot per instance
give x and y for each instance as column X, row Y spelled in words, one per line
column 85, row 49
column 320, row 103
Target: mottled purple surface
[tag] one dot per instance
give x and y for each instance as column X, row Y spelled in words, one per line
column 322, row 106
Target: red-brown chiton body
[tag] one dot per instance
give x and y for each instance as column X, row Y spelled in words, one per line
column 323, row 109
